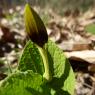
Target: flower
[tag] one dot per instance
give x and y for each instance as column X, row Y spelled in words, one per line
column 35, row 27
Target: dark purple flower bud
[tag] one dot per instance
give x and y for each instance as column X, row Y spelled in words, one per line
column 35, row 27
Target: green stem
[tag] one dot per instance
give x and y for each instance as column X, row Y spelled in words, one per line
column 47, row 73
column 9, row 67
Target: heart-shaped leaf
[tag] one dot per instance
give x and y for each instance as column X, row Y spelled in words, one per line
column 31, row 59
column 63, row 80
column 22, row 83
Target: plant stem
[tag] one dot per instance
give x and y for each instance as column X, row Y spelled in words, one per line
column 9, row 67
column 47, row 73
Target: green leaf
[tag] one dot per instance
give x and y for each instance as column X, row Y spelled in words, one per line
column 63, row 80
column 31, row 59
column 90, row 28
column 22, row 83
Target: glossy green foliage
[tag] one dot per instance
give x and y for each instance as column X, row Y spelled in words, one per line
column 31, row 59
column 63, row 76
column 29, row 81
column 21, row 83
